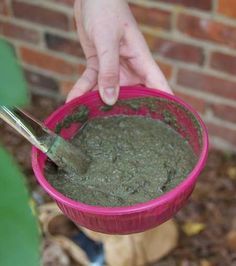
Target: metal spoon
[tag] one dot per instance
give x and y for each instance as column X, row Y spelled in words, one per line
column 60, row 151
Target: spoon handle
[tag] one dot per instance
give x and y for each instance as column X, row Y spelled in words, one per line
column 27, row 126
column 60, row 151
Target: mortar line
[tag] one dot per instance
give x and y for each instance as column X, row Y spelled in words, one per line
column 205, row 14
column 40, row 27
column 222, row 144
column 50, row 73
column 57, row 54
column 180, row 37
column 219, row 122
column 205, row 95
column 196, row 68
column 54, row 6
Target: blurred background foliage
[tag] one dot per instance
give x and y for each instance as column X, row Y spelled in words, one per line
column 19, row 231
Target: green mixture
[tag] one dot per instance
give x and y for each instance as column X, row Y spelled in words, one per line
column 133, row 159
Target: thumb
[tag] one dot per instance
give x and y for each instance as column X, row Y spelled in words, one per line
column 108, row 73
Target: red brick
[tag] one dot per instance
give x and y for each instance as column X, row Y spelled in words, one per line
column 65, row 2
column 73, row 25
column 40, row 15
column 151, row 16
column 207, row 83
column 222, row 132
column 40, row 81
column 12, row 30
column 223, row 62
column 4, row 9
column 197, row 103
column 227, row 7
column 165, row 68
column 46, row 61
column 61, row 44
column 199, row 4
column 175, row 50
column 65, row 87
column 207, row 29
column 80, row 69
column 225, row 112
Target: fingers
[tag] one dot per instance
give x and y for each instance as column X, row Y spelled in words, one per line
column 154, row 78
column 143, row 62
column 107, row 46
column 85, row 83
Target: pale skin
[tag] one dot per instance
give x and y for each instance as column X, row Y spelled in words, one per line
column 115, row 51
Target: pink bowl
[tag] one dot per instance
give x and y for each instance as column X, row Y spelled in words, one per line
column 143, row 216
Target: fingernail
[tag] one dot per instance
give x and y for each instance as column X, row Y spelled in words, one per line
column 109, row 95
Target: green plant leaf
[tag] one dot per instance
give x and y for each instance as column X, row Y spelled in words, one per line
column 13, row 89
column 19, row 232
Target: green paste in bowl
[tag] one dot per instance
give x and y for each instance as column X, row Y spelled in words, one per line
column 133, row 159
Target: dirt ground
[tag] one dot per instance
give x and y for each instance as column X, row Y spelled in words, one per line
column 207, row 224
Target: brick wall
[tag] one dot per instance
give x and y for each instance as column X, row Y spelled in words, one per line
column 193, row 41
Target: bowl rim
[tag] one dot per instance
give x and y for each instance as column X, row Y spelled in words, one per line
column 139, row 207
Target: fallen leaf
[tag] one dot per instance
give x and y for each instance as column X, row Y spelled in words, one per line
column 231, row 171
column 53, row 254
column 50, row 216
column 205, row 262
column 191, row 228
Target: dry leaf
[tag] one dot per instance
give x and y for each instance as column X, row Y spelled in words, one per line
column 231, row 171
column 205, row 263
column 51, row 219
column 53, row 254
column 191, row 228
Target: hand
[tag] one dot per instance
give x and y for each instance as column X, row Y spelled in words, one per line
column 115, row 50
